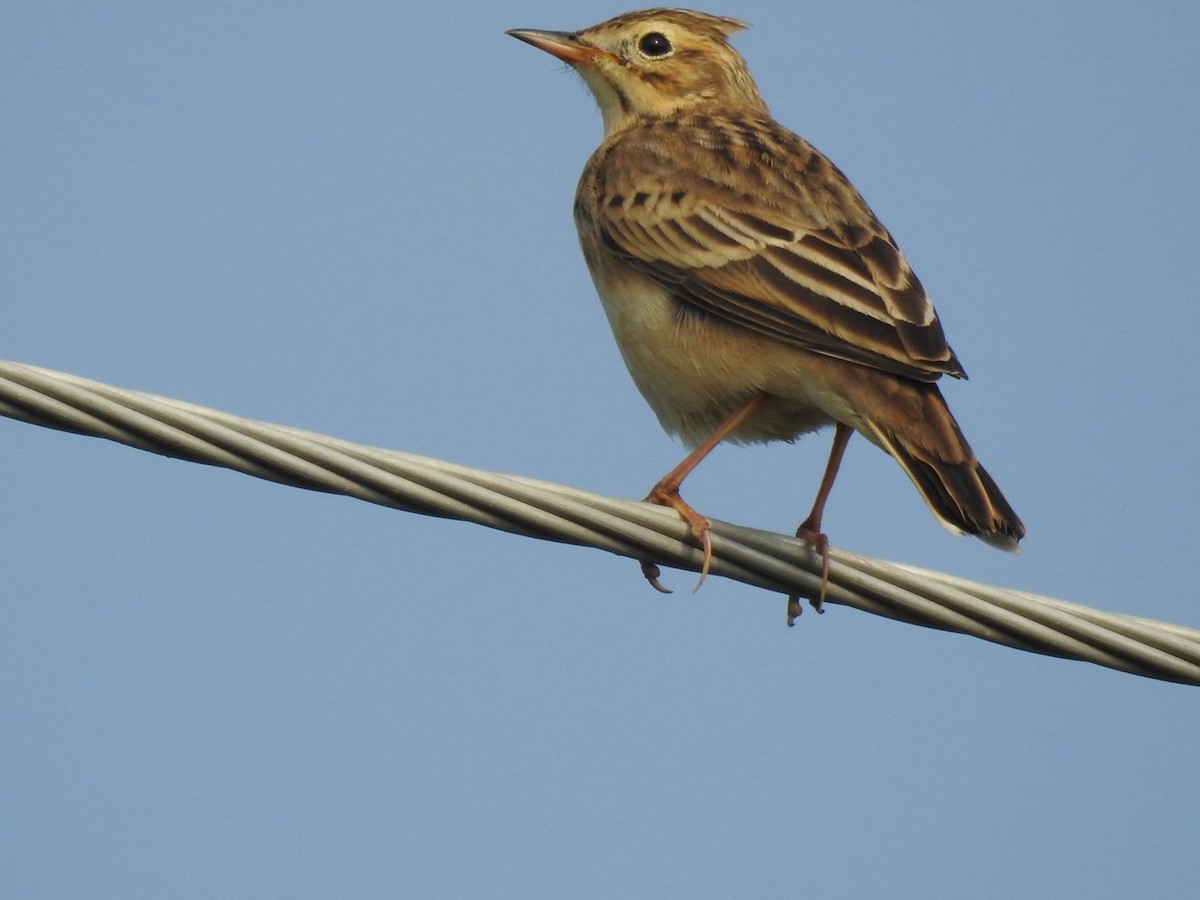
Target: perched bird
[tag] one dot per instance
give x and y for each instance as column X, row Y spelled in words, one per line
column 752, row 292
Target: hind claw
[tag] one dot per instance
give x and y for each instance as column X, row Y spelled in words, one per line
column 651, row 572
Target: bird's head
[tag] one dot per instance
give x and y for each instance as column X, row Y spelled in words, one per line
column 656, row 63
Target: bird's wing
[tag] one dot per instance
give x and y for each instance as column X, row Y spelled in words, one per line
column 755, row 227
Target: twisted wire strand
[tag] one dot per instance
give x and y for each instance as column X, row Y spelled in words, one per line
column 555, row 512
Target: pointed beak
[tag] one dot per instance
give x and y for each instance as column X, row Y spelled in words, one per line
column 562, row 44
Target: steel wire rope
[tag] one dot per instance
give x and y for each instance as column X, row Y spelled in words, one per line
column 540, row 509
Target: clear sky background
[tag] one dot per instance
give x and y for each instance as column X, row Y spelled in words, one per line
column 355, row 218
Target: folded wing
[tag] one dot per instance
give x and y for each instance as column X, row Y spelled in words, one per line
column 779, row 242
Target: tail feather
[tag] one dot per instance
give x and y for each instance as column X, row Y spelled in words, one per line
column 932, row 450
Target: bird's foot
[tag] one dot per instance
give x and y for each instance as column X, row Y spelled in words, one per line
column 665, row 495
column 810, row 532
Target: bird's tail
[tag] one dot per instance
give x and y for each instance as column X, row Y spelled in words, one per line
column 921, row 434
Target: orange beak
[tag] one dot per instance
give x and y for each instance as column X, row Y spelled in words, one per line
column 562, row 44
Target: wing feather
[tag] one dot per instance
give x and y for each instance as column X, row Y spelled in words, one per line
column 779, row 244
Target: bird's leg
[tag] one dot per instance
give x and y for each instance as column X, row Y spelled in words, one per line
column 810, row 528
column 666, row 492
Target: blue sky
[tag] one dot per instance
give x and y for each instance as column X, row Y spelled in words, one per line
column 355, row 218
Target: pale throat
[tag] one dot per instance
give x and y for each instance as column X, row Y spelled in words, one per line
column 612, row 110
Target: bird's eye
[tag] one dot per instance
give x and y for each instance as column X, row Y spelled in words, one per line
column 655, row 45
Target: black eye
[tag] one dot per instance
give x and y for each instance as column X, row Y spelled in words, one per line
column 655, row 44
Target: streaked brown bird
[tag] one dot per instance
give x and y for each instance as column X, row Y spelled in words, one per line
column 753, row 293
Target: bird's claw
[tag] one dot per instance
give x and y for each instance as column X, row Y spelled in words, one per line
column 706, row 545
column 650, row 572
column 813, row 536
column 794, row 609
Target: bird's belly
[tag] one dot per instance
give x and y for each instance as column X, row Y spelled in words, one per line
column 696, row 371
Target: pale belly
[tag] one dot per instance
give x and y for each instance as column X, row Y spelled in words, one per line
column 696, row 371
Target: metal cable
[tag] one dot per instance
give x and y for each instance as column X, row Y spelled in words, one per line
column 558, row 513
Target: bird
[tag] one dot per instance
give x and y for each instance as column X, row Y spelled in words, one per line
column 752, row 292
